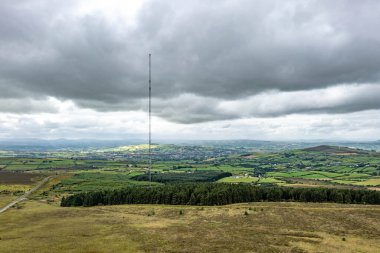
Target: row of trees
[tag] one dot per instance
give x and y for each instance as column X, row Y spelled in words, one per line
column 194, row 176
column 218, row 194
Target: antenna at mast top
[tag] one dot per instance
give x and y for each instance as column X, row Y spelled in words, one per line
column 150, row 120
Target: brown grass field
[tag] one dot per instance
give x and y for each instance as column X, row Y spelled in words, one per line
column 11, row 177
column 6, row 199
column 256, row 227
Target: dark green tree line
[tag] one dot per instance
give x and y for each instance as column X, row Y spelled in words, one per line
column 218, row 194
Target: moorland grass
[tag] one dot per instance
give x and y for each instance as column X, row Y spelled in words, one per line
column 255, row 227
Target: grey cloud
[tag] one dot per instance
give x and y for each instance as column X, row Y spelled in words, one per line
column 189, row 109
column 333, row 100
column 216, row 50
column 337, row 99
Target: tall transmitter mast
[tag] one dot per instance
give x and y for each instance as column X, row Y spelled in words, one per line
column 150, row 121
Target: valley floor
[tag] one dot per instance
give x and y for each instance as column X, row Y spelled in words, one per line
column 256, row 227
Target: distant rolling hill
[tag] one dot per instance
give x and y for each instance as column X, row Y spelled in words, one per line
column 336, row 149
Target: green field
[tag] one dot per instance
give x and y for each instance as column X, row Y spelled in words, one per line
column 93, row 181
column 238, row 179
column 325, row 166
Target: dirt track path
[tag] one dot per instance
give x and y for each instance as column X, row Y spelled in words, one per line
column 26, row 195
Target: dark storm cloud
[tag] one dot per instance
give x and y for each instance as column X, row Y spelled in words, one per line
column 215, row 50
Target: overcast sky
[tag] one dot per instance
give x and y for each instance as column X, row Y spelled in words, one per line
column 254, row 69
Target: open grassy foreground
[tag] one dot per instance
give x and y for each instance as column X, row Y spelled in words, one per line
column 256, row 227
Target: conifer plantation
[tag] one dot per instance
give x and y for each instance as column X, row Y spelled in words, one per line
column 218, row 194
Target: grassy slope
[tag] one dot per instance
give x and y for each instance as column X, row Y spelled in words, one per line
column 5, row 199
column 268, row 227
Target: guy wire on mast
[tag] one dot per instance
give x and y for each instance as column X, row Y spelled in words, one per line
column 150, row 121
